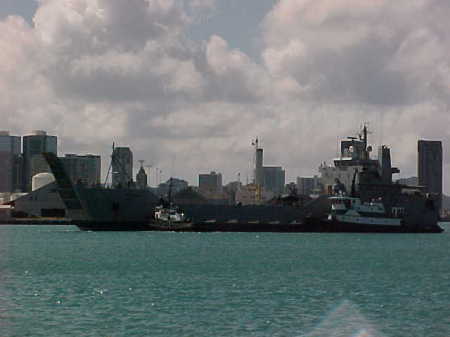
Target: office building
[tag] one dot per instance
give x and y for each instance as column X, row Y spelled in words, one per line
column 141, row 179
column 84, row 169
column 259, row 168
column 274, row 178
column 429, row 167
column 210, row 183
column 268, row 178
column 122, row 167
column 33, row 161
column 10, row 162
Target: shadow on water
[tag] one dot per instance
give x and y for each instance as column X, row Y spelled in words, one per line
column 345, row 320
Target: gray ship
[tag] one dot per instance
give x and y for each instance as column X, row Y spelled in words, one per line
column 356, row 181
column 132, row 209
column 364, row 198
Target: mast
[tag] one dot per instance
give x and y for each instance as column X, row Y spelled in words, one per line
column 365, row 136
column 354, row 184
column 169, row 196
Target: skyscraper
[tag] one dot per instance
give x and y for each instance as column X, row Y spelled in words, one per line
column 274, row 178
column 429, row 167
column 122, row 167
column 141, row 179
column 10, row 162
column 83, row 168
column 269, row 178
column 210, row 183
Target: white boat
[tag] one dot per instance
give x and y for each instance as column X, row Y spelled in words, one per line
column 169, row 215
column 351, row 211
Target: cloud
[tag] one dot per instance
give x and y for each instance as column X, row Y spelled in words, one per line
column 234, row 75
column 381, row 61
column 373, row 52
column 94, row 71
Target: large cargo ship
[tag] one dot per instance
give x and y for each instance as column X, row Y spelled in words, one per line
column 355, row 179
column 133, row 209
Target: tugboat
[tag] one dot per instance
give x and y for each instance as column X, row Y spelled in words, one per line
column 168, row 216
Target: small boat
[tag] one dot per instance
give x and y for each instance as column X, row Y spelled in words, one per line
column 169, row 215
column 350, row 211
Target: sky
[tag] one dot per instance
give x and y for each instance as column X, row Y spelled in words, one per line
column 187, row 84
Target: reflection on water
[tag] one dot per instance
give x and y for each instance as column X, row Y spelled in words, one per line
column 344, row 321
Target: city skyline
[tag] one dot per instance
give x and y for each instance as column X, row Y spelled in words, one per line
column 190, row 97
column 87, row 168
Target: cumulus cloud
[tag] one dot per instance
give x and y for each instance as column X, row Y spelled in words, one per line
column 382, row 61
column 94, row 71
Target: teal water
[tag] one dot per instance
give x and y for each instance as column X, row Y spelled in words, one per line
column 59, row 281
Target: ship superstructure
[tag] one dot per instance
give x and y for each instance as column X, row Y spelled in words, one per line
column 364, row 196
column 355, row 154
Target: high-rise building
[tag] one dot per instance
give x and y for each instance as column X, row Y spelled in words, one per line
column 259, row 173
column 10, row 162
column 268, row 178
column 429, row 167
column 210, row 183
column 85, row 169
column 122, row 167
column 141, row 179
column 274, row 178
column 33, row 161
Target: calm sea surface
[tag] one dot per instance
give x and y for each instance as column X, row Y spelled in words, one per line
column 59, row 281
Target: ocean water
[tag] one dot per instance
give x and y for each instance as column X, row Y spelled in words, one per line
column 59, row 281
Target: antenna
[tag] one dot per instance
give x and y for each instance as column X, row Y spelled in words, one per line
column 141, row 162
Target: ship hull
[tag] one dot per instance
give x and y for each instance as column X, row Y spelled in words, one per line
column 136, row 226
column 132, row 210
column 352, row 227
column 308, row 226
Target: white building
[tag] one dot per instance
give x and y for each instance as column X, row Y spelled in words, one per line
column 33, row 161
